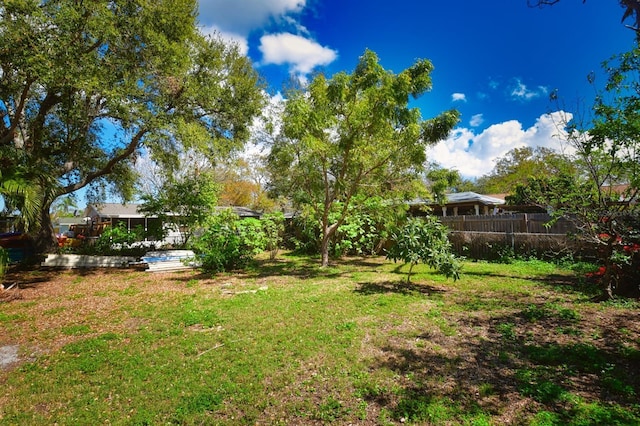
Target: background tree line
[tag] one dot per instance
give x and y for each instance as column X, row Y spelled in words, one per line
column 88, row 89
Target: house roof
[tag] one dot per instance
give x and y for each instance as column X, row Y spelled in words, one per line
column 472, row 197
column 114, row 210
column 463, row 198
column 118, row 210
column 241, row 211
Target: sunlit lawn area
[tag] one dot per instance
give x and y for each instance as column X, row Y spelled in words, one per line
column 287, row 342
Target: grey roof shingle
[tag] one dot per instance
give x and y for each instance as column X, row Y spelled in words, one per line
column 462, row 198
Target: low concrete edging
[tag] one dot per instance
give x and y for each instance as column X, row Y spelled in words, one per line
column 86, row 261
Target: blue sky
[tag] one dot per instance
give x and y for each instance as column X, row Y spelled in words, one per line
column 495, row 61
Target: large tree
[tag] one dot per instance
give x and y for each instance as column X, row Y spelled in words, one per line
column 517, row 165
column 86, row 86
column 354, row 135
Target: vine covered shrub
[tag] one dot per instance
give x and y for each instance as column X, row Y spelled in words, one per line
column 364, row 230
column 252, row 236
column 357, row 235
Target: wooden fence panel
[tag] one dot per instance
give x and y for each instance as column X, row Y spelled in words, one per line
column 526, row 223
column 490, row 245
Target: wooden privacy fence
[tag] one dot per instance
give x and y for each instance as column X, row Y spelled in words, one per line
column 524, row 223
column 487, row 237
column 493, row 245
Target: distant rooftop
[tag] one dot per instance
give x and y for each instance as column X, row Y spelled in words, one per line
column 467, row 197
column 116, row 210
column 463, row 198
column 119, row 210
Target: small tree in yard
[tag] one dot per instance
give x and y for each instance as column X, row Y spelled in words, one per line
column 601, row 200
column 273, row 228
column 424, row 240
column 184, row 203
column 354, row 136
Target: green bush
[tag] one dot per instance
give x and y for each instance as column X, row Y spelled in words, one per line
column 305, row 234
column 117, row 240
column 252, row 235
column 424, row 240
column 357, row 235
column 273, row 227
column 229, row 243
column 364, row 231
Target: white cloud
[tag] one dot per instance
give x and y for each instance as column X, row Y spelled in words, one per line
column 476, row 120
column 522, row 92
column 239, row 40
column 292, row 45
column 243, row 16
column 474, row 155
column 301, row 54
column 459, row 97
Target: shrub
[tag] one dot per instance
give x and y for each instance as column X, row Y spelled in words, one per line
column 357, row 235
column 273, row 227
column 365, row 229
column 117, row 240
column 252, row 236
column 424, row 240
column 229, row 243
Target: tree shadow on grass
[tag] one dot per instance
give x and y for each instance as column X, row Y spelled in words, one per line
column 34, row 276
column 265, row 269
column 361, row 262
column 514, row 366
column 566, row 283
column 400, row 286
column 299, row 267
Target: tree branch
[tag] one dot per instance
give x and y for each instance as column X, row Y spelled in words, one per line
column 8, row 137
column 38, row 123
column 108, row 167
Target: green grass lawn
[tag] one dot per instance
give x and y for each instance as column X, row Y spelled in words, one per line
column 287, row 342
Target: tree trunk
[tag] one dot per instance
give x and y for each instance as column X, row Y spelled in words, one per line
column 608, row 282
column 324, row 248
column 409, row 274
column 609, row 277
column 46, row 240
column 327, row 233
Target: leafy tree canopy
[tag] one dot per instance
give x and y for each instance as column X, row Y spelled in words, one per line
column 185, row 203
column 519, row 164
column 354, row 134
column 440, row 181
column 87, row 86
